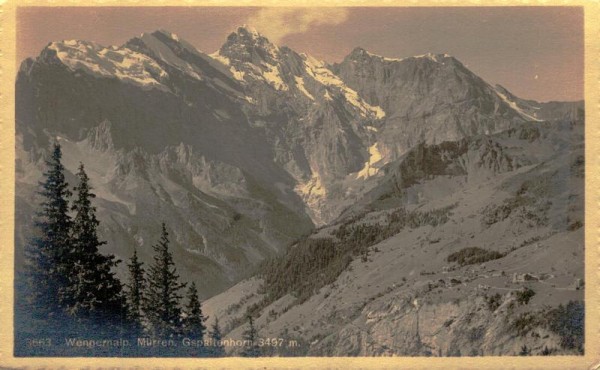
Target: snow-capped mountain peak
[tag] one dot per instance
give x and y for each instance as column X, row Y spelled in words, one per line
column 245, row 44
column 157, row 44
column 112, row 62
column 360, row 54
column 173, row 52
column 248, row 31
column 438, row 58
column 248, row 55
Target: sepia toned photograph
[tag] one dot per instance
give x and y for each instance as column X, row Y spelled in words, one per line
column 233, row 182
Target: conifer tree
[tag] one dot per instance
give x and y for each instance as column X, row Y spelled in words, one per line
column 250, row 337
column 546, row 351
column 216, row 349
column 48, row 255
column 135, row 293
column 162, row 300
column 94, row 293
column 193, row 324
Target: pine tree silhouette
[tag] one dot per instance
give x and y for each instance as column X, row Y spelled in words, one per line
column 48, row 256
column 194, row 318
column 250, row 336
column 94, row 293
column 216, row 349
column 162, row 300
column 193, row 321
column 135, row 293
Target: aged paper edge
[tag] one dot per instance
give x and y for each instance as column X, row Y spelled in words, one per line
column 8, row 69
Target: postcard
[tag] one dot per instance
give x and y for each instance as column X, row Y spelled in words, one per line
column 302, row 186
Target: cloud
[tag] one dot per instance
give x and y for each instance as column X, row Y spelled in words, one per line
column 277, row 23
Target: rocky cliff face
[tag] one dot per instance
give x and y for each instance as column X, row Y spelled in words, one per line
column 430, row 98
column 243, row 150
column 483, row 242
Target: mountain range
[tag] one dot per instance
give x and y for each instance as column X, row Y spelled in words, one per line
column 247, row 151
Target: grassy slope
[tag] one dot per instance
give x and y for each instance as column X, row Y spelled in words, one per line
column 371, row 309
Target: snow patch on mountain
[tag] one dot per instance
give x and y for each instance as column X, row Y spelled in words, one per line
column 369, row 169
column 312, row 187
column 300, row 85
column 314, row 194
column 317, row 70
column 163, row 52
column 366, row 52
column 515, row 107
column 273, row 77
column 236, row 73
column 391, row 59
column 170, row 34
column 112, row 62
column 433, row 57
column 360, row 53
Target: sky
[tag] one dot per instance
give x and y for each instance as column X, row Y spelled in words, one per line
column 535, row 52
